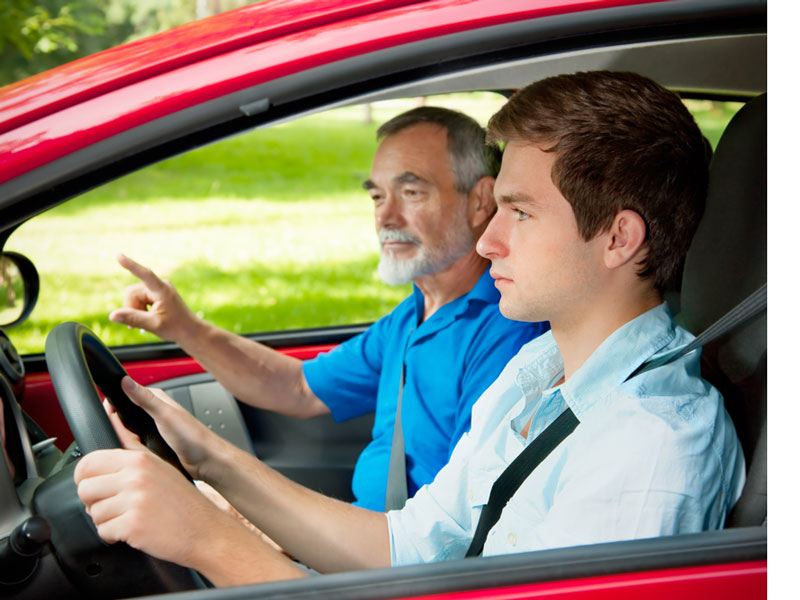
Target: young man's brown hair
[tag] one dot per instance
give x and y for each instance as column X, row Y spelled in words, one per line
column 624, row 142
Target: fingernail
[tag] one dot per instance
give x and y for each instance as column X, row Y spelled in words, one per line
column 114, row 318
column 128, row 384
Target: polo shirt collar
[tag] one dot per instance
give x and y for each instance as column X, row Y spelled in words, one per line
column 483, row 291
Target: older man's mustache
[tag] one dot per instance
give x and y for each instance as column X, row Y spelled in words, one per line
column 396, row 235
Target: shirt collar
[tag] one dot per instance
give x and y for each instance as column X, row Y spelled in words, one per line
column 483, row 291
column 609, row 365
column 618, row 356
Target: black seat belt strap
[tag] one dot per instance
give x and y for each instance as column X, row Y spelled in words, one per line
column 516, row 472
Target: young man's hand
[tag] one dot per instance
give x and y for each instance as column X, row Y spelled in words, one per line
column 135, row 497
column 194, row 444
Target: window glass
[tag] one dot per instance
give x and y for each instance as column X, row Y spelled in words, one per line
column 712, row 116
column 267, row 231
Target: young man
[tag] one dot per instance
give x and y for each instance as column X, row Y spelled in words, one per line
column 601, row 189
column 431, row 183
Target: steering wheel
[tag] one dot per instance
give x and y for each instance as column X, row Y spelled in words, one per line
column 77, row 360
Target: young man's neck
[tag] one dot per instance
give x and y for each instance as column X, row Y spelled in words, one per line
column 451, row 282
column 580, row 334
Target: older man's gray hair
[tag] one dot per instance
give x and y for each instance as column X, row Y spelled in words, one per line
column 470, row 157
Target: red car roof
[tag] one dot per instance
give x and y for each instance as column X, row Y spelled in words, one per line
column 99, row 73
column 49, row 115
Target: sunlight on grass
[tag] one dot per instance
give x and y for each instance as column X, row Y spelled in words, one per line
column 245, row 266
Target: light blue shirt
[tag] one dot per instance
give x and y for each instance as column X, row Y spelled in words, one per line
column 655, row 455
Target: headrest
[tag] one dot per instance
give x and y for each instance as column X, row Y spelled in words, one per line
column 728, row 257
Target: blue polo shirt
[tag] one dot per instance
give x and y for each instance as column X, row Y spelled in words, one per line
column 450, row 359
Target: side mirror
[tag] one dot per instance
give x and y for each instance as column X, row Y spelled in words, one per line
column 19, row 288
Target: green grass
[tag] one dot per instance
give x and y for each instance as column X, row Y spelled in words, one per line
column 266, row 231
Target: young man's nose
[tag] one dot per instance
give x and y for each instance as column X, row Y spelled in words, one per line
column 494, row 241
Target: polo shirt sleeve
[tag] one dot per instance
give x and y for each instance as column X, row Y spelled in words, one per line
column 346, row 378
column 496, row 343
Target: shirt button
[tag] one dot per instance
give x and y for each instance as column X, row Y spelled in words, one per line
column 470, row 495
column 512, row 539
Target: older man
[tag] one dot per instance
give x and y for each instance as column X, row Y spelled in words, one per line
column 431, row 182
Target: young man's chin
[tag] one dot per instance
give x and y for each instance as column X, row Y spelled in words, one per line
column 509, row 309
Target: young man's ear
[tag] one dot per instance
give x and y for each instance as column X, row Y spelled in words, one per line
column 481, row 205
column 625, row 239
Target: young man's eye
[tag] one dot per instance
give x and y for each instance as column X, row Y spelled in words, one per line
column 520, row 215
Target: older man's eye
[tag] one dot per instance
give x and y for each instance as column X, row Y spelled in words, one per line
column 412, row 192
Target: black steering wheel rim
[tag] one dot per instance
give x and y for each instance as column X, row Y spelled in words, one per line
column 74, row 354
column 77, row 360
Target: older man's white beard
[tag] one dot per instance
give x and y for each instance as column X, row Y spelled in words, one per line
column 456, row 243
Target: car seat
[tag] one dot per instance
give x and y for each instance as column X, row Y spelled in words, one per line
column 727, row 261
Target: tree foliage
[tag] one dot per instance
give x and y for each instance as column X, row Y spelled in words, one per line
column 36, row 35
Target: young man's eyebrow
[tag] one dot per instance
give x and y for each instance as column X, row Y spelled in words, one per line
column 516, row 198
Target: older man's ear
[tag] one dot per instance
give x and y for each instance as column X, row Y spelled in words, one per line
column 481, row 205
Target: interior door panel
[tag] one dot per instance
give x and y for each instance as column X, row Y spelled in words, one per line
column 318, row 453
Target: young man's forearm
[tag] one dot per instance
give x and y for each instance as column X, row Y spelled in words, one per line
column 326, row 534
column 241, row 558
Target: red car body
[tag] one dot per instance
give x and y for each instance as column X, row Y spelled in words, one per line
column 61, row 111
column 54, row 116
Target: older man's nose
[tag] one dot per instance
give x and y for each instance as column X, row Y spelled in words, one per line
column 389, row 213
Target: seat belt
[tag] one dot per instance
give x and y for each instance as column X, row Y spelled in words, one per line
column 397, row 482
column 509, row 481
column 751, row 306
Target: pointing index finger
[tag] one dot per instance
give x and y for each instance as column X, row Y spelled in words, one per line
column 150, row 279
